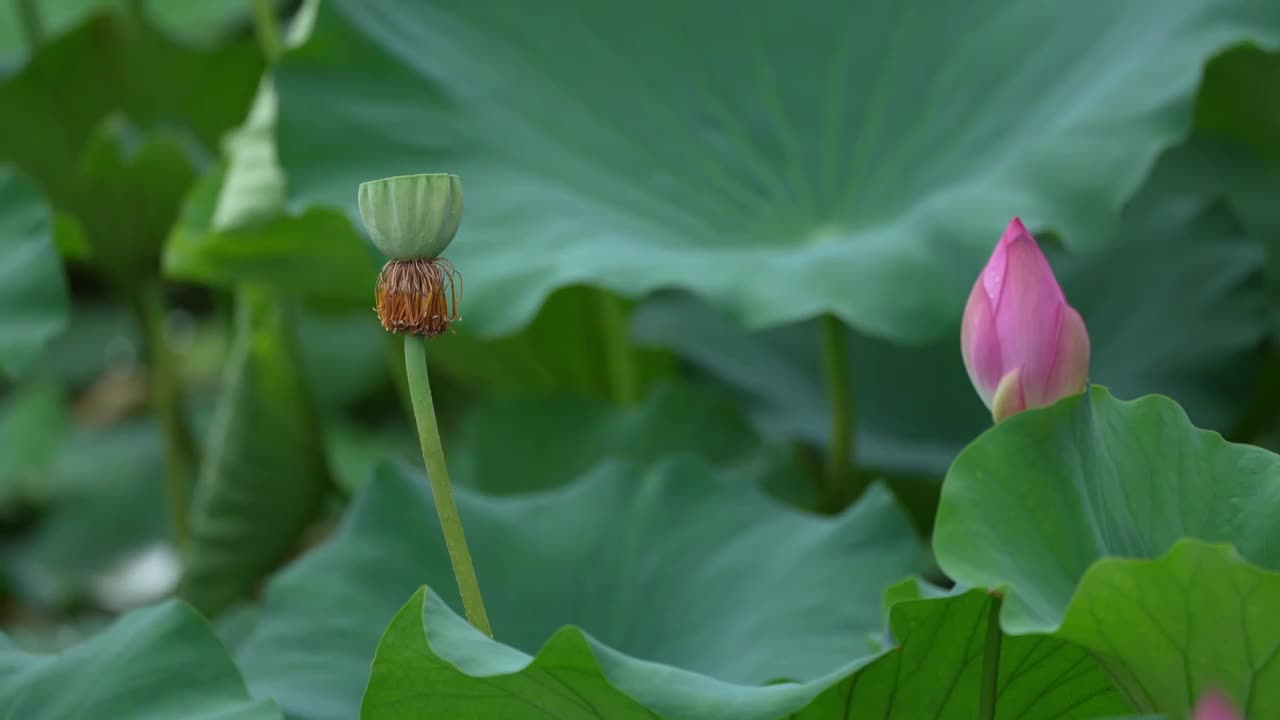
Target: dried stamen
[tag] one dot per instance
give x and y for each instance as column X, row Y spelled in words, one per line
column 418, row 296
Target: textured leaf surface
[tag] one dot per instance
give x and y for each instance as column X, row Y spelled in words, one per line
column 1039, row 498
column 779, row 160
column 612, row 553
column 430, row 663
column 1171, row 628
column 935, row 671
column 1046, row 501
column 409, row 680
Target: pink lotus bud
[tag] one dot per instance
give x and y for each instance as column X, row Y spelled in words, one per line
column 1023, row 345
column 1214, row 705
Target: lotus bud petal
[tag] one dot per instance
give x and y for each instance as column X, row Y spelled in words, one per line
column 1023, row 345
column 412, row 217
column 1214, row 705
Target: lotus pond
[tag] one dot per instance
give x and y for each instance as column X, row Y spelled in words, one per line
column 820, row 360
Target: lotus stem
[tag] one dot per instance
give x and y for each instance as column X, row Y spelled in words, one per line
column 415, row 359
column 624, row 383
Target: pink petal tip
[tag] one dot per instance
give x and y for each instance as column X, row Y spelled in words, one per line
column 1215, row 705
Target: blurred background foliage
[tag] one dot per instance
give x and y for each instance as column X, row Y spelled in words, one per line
column 669, row 254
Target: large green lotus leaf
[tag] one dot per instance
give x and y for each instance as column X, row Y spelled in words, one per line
column 264, row 474
column 528, row 443
column 158, row 663
column 672, row 565
column 33, row 292
column 110, row 64
column 915, row 406
column 410, row 679
column 431, row 664
column 1197, row 618
column 564, row 347
column 934, row 671
column 781, row 160
column 1036, row 500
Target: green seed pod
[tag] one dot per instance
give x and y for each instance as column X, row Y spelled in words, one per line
column 412, row 217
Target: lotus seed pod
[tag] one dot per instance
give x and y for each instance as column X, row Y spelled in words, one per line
column 411, row 217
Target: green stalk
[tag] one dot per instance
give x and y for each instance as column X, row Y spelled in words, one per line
column 990, row 663
column 267, row 29
column 415, row 363
column 624, row 382
column 835, row 371
column 166, row 396
column 32, row 28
